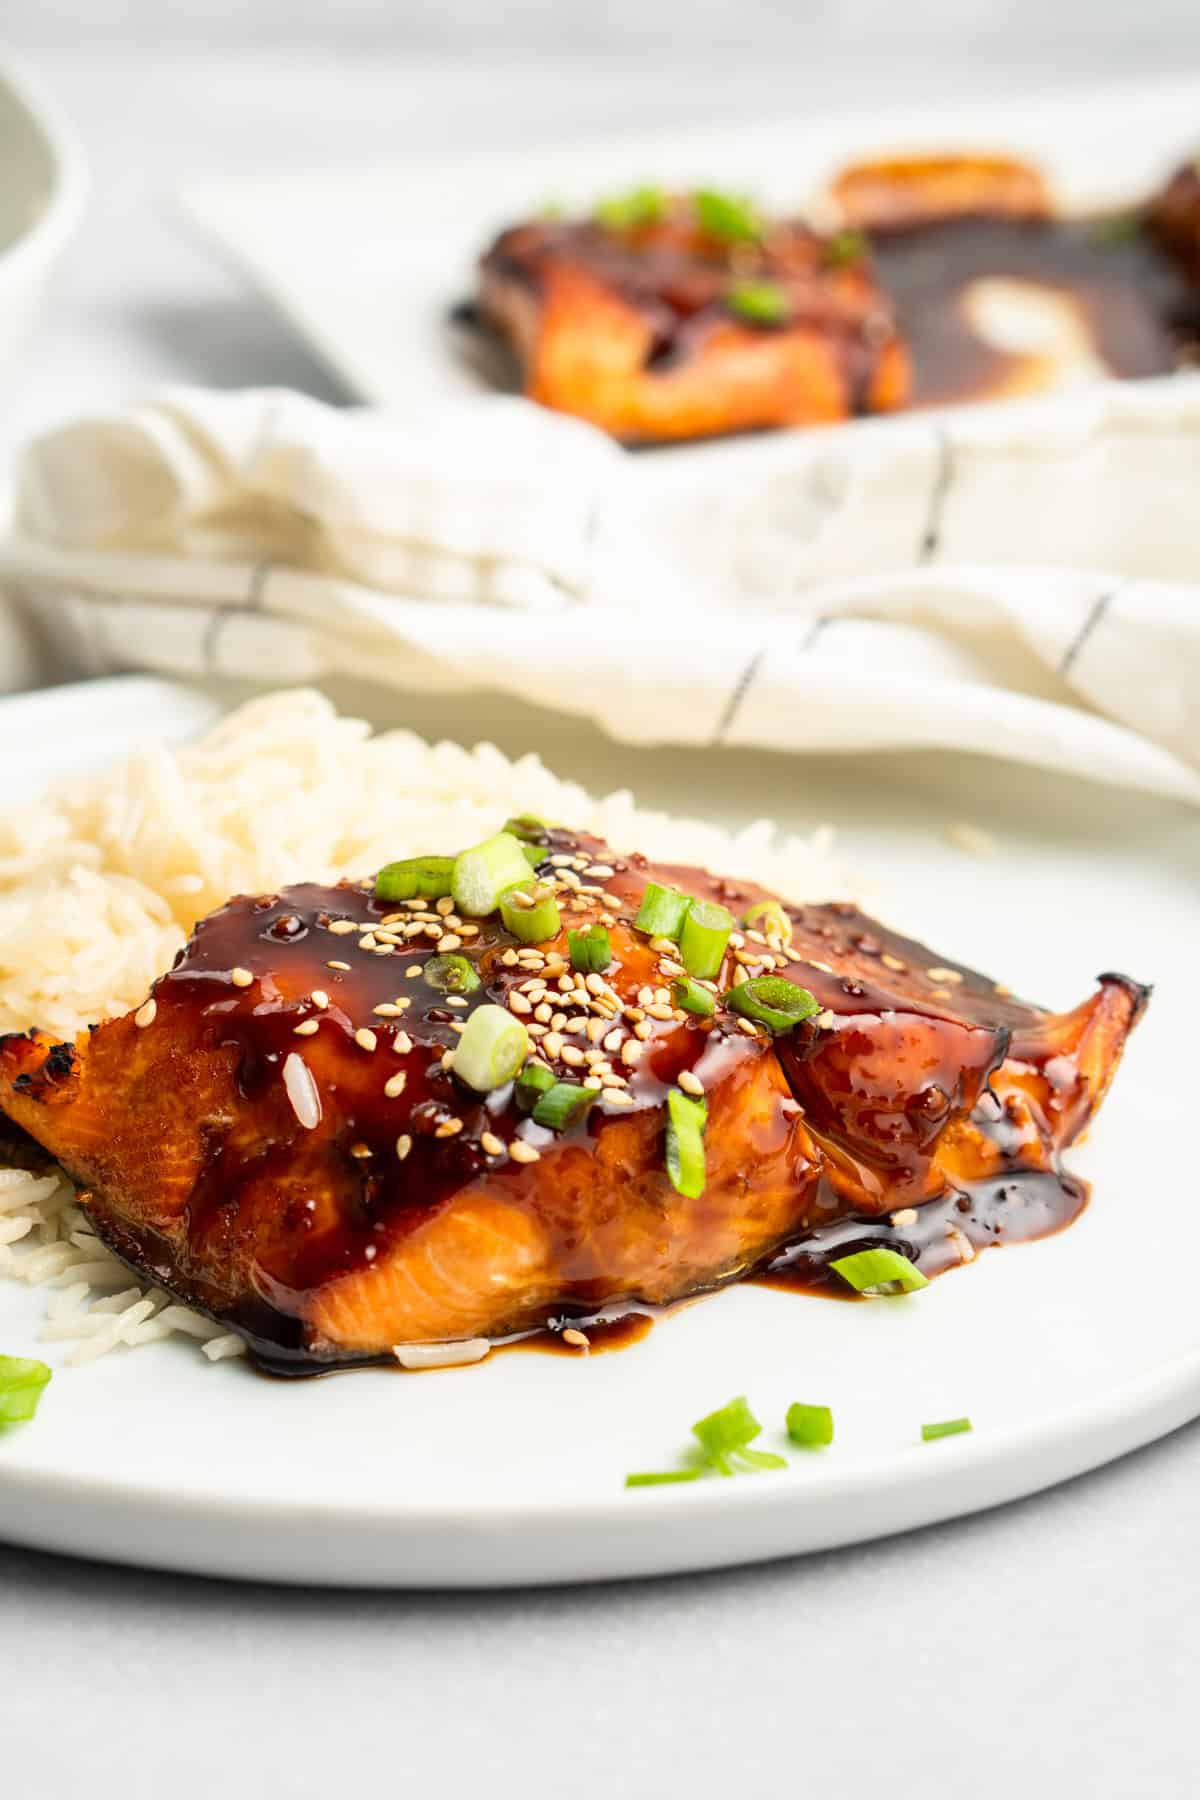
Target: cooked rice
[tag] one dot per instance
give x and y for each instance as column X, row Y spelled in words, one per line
column 102, row 879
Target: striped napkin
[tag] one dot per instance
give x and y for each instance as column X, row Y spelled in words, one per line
column 1022, row 582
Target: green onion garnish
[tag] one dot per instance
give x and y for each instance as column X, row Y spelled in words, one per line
column 662, row 911
column 21, row 1384
column 431, row 876
column 809, row 1425
column 530, row 913
column 491, row 1049
column 591, row 951
column 730, row 217
column 703, row 937
column 845, row 247
column 527, row 826
column 562, row 1104
column 626, row 212
column 725, row 1437
column 686, row 1119
column 534, row 1080
column 451, row 975
column 486, row 871
column 534, row 854
column 879, row 1271
column 657, row 1478
column 944, row 1428
column 692, row 997
column 773, row 1001
column 759, row 302
column 769, row 917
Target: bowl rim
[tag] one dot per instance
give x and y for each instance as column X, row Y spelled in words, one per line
column 38, row 245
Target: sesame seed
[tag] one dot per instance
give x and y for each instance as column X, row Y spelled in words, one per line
column 343, row 968
column 572, row 1054
column 691, row 1084
column 383, row 950
column 413, row 970
column 739, row 976
column 455, row 1000
column 660, row 1010
column 643, row 1030
column 747, row 1026
column 360, row 1151
column 645, row 996
column 490, row 1144
column 666, row 967
column 394, row 919
column 522, row 1152
column 631, row 1053
column 614, row 1040
column 319, row 998
column 403, row 1146
column 825, row 1019
column 824, row 966
column 387, row 1009
column 576, row 1338
column 342, row 927
column 241, row 977
column 367, row 942
column 906, row 1216
column 395, row 1085
column 365, row 1039
column 946, row 975
column 576, row 1026
column 445, row 905
column 544, row 1013
column 558, row 1021
column 450, row 941
column 561, row 862
column 893, row 962
column 509, row 959
column 306, row 1028
column 552, row 1043
column 519, row 1004
column 145, row 1015
column 402, row 1043
column 449, row 1128
column 467, row 929
column 595, row 1029
column 616, row 1096
column 457, row 1025
column 600, row 871
column 593, row 1083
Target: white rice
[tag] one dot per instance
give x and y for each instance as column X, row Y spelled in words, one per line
column 102, row 879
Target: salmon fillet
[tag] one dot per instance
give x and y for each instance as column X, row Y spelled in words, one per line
column 277, row 1138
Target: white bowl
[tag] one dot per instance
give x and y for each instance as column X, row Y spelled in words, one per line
column 43, row 185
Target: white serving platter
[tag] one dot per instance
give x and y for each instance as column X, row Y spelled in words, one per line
column 1065, row 1353
column 367, row 262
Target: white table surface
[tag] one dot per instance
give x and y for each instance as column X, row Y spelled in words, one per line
column 1045, row 1647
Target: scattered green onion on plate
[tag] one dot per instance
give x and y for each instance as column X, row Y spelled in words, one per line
column 562, row 1104
column 22, row 1382
column 703, row 937
column 534, row 1080
column 662, row 911
column 531, row 912
column 451, row 975
column 944, row 1428
column 725, row 1437
column 486, row 871
column 730, row 217
column 809, row 1426
column 879, row 1271
column 759, row 302
column 693, row 998
column 661, row 1478
column 591, row 951
column 686, row 1119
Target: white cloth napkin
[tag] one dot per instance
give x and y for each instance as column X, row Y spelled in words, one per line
column 1023, row 582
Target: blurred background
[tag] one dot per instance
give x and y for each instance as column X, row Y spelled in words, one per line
column 169, row 92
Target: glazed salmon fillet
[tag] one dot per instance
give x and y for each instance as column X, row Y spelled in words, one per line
column 672, row 317
column 284, row 1136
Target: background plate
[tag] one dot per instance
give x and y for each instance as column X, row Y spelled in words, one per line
column 366, row 263
column 1064, row 1353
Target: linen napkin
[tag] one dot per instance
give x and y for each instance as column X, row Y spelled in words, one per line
column 1023, row 581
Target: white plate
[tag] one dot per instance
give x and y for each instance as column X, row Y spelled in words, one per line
column 1064, row 1353
column 366, row 263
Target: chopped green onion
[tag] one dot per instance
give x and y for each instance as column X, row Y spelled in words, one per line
column 692, row 997
column 527, row 826
column 626, row 212
column 759, row 302
column 703, row 937
column 535, row 855
column 944, row 1428
column 769, row 917
column 809, row 1425
column 591, row 951
column 656, row 1478
column 431, row 876
column 491, row 1049
column 880, row 1271
column 451, row 975
column 730, row 217
column 531, row 913
column 845, row 247
column 562, row 1104
column 534, row 1080
column 725, row 1437
column 773, row 1001
column 686, row 1119
column 21, row 1384
column 662, row 911
column 486, row 871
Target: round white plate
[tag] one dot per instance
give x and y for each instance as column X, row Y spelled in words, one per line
column 1064, row 1353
